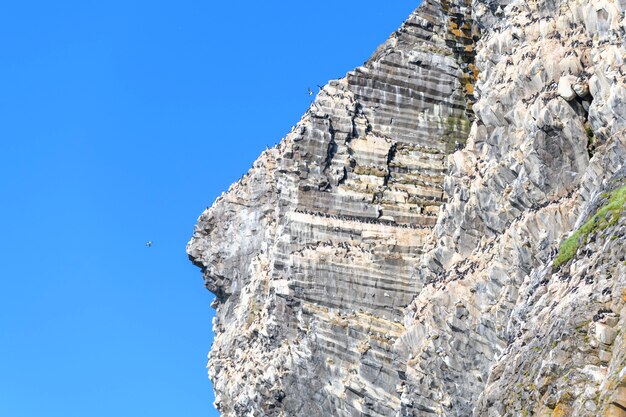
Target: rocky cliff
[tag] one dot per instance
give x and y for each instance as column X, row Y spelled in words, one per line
column 443, row 231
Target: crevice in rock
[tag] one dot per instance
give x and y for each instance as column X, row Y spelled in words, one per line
column 331, row 151
column 390, row 155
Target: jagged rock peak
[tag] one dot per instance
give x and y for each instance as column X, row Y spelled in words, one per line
column 404, row 250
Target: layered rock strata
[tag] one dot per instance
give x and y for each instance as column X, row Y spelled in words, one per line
column 401, row 251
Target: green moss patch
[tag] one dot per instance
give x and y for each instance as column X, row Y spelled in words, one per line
column 605, row 216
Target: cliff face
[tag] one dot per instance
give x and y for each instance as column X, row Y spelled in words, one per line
column 403, row 251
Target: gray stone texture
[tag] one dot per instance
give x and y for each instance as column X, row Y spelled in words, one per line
column 394, row 254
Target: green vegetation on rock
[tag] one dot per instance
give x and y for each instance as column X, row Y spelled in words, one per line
column 605, row 216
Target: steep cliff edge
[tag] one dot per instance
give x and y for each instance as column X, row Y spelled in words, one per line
column 403, row 251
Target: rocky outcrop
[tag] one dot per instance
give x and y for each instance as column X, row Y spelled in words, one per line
column 404, row 250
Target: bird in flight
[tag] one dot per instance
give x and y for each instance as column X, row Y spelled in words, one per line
column 310, row 92
column 149, row 243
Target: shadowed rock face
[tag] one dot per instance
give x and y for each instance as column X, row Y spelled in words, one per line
column 394, row 253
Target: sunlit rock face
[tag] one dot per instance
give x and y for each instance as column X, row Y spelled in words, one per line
column 394, row 254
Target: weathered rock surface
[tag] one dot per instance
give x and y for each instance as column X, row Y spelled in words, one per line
column 400, row 252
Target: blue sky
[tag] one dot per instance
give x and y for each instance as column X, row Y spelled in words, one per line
column 120, row 121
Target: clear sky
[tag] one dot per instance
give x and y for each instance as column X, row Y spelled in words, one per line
column 120, row 121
